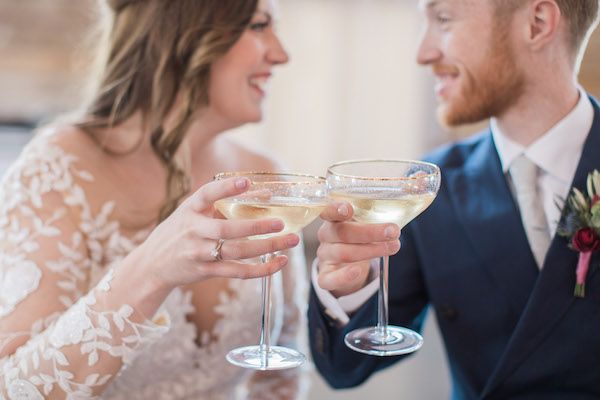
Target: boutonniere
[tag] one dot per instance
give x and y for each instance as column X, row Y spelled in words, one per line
column 580, row 224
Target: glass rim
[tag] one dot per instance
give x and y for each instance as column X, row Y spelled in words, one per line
column 231, row 174
column 384, row 160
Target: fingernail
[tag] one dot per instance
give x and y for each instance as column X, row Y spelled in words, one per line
column 241, row 183
column 343, row 210
column 293, row 240
column 393, row 246
column 277, row 225
column 390, row 232
column 282, row 259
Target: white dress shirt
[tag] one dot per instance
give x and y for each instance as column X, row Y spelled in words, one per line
column 556, row 153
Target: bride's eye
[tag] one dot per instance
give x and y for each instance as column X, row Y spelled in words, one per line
column 260, row 26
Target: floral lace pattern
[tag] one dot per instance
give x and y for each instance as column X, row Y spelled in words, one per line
column 16, row 282
column 54, row 245
column 45, row 366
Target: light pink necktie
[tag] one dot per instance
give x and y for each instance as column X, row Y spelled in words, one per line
column 524, row 175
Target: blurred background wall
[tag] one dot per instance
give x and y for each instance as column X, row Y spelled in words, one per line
column 351, row 90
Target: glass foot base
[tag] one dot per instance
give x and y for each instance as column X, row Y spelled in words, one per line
column 277, row 358
column 371, row 341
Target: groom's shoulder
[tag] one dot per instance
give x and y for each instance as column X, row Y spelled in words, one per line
column 458, row 153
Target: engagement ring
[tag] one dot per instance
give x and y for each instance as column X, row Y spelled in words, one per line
column 216, row 252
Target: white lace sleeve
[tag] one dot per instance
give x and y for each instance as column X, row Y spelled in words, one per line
column 292, row 383
column 55, row 340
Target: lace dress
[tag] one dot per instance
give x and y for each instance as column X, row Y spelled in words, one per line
column 57, row 258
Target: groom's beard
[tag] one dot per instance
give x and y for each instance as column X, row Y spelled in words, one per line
column 488, row 89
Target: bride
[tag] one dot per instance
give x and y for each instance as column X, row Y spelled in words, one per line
column 114, row 279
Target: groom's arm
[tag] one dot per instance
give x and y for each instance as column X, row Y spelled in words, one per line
column 339, row 365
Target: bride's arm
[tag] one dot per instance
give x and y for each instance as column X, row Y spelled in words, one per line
column 292, row 383
column 56, row 339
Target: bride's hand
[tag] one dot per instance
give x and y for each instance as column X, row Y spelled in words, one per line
column 180, row 249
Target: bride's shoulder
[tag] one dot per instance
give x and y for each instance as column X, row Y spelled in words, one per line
column 53, row 150
column 58, row 162
column 71, row 141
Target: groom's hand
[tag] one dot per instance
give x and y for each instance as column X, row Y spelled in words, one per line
column 347, row 248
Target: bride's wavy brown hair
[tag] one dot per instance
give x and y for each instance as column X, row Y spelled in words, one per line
column 157, row 51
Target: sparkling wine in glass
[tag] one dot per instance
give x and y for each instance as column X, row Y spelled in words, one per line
column 297, row 200
column 384, row 191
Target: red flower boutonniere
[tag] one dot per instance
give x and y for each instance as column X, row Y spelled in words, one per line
column 580, row 224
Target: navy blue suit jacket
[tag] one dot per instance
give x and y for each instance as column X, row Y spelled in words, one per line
column 510, row 331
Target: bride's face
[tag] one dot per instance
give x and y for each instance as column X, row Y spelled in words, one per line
column 238, row 83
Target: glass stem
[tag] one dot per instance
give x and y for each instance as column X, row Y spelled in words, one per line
column 382, row 316
column 265, row 323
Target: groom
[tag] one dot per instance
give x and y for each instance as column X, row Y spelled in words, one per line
column 485, row 256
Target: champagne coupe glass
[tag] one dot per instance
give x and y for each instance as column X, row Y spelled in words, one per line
column 297, row 200
column 383, row 191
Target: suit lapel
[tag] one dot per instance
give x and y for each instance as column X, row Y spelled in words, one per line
column 553, row 292
column 485, row 206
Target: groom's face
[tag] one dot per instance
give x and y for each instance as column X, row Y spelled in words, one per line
column 469, row 49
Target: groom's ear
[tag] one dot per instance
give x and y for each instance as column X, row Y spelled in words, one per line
column 542, row 24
